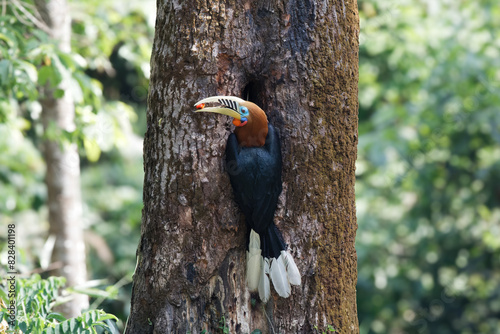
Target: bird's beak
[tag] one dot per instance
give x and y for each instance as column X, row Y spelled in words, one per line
column 229, row 105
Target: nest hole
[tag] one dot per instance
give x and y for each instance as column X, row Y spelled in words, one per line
column 255, row 92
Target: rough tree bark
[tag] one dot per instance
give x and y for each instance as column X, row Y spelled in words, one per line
column 298, row 60
column 63, row 167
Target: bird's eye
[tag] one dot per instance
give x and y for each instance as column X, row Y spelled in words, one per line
column 244, row 111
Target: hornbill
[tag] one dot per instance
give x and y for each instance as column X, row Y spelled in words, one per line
column 253, row 162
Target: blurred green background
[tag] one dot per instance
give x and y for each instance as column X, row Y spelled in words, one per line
column 109, row 71
column 428, row 170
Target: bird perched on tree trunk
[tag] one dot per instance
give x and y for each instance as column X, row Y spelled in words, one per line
column 253, row 161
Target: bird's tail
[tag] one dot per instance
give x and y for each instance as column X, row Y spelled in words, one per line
column 254, row 260
column 268, row 258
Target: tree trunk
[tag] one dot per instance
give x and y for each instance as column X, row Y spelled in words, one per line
column 63, row 167
column 298, row 60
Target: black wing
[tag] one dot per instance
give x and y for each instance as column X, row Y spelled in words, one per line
column 255, row 174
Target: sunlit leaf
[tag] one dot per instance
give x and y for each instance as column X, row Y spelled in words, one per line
column 92, row 149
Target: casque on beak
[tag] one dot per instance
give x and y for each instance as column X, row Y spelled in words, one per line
column 229, row 105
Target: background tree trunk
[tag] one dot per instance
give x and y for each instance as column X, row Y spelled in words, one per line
column 63, row 167
column 298, row 60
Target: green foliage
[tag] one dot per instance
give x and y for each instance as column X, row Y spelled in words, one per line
column 108, row 72
column 329, row 329
column 429, row 167
column 223, row 326
column 35, row 301
column 29, row 60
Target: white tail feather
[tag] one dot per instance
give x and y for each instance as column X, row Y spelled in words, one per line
column 279, row 277
column 264, row 288
column 291, row 269
column 254, row 260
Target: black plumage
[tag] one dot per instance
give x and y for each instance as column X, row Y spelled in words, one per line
column 253, row 161
column 255, row 174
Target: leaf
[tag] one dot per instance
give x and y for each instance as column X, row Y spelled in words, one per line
column 58, row 93
column 111, row 327
column 65, row 326
column 23, row 327
column 93, row 315
column 66, row 60
column 5, row 70
column 79, row 60
column 92, row 149
column 76, row 91
column 7, row 40
column 29, row 69
column 108, row 317
column 48, row 74
column 87, row 318
column 56, row 316
column 73, row 324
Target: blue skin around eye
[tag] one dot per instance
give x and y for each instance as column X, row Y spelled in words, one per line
column 244, row 111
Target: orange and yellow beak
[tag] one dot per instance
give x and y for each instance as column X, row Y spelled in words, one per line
column 228, row 105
